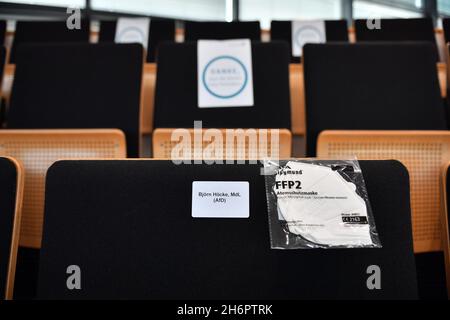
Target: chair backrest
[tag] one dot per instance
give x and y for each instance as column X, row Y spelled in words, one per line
column 336, row 31
column 2, row 68
column 296, row 91
column 418, row 29
column 397, row 30
column 422, row 152
column 160, row 30
column 2, row 32
column 446, row 28
column 79, row 86
column 11, row 190
column 135, row 218
column 445, row 219
column 248, row 144
column 38, row 149
column 447, row 88
column 176, row 99
column 371, row 87
column 220, row 30
column 47, row 32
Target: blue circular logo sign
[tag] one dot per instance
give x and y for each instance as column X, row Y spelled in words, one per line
column 225, row 77
column 308, row 34
column 131, row 35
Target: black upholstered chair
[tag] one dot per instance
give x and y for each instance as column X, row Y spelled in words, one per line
column 160, row 30
column 398, row 30
column 446, row 27
column 147, row 241
column 377, row 86
column 78, row 86
column 47, row 32
column 445, row 221
column 368, row 90
column 336, row 31
column 419, row 29
column 2, row 67
column 176, row 102
column 2, row 32
column 11, row 189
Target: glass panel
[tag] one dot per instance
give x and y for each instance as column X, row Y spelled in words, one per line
column 182, row 9
column 367, row 9
column 444, row 7
column 267, row 10
column 51, row 3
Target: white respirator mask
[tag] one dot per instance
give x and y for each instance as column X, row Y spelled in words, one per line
column 319, row 205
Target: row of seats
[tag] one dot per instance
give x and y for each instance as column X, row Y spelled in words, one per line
column 421, row 152
column 297, row 96
column 420, row 29
column 398, row 29
column 86, row 207
column 337, row 78
column 99, row 86
column 337, row 97
column 296, row 83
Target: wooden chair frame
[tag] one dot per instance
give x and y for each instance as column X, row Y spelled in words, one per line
column 422, row 152
column 8, row 294
column 445, row 224
column 163, row 143
column 52, row 145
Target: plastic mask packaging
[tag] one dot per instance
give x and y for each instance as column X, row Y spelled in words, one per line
column 318, row 204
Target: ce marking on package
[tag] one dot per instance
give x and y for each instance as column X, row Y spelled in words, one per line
column 225, row 310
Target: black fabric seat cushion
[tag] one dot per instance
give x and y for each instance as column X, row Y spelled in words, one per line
column 2, row 67
column 131, row 222
column 8, row 190
column 431, row 279
column 2, row 32
column 47, row 32
column 2, row 61
column 336, row 31
column 448, row 196
column 219, row 30
column 78, row 86
column 431, row 268
column 160, row 30
column 371, row 86
column 176, row 101
column 418, row 29
column 446, row 27
column 27, row 268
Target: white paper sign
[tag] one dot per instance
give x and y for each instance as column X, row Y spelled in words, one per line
column 306, row 32
column 133, row 30
column 220, row 199
column 225, row 76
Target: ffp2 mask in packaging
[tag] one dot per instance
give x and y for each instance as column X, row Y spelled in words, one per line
column 318, row 204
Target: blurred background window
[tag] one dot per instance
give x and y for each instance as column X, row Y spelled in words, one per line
column 228, row 10
column 267, row 10
column 180, row 9
column 52, row 3
column 387, row 9
column 444, row 7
